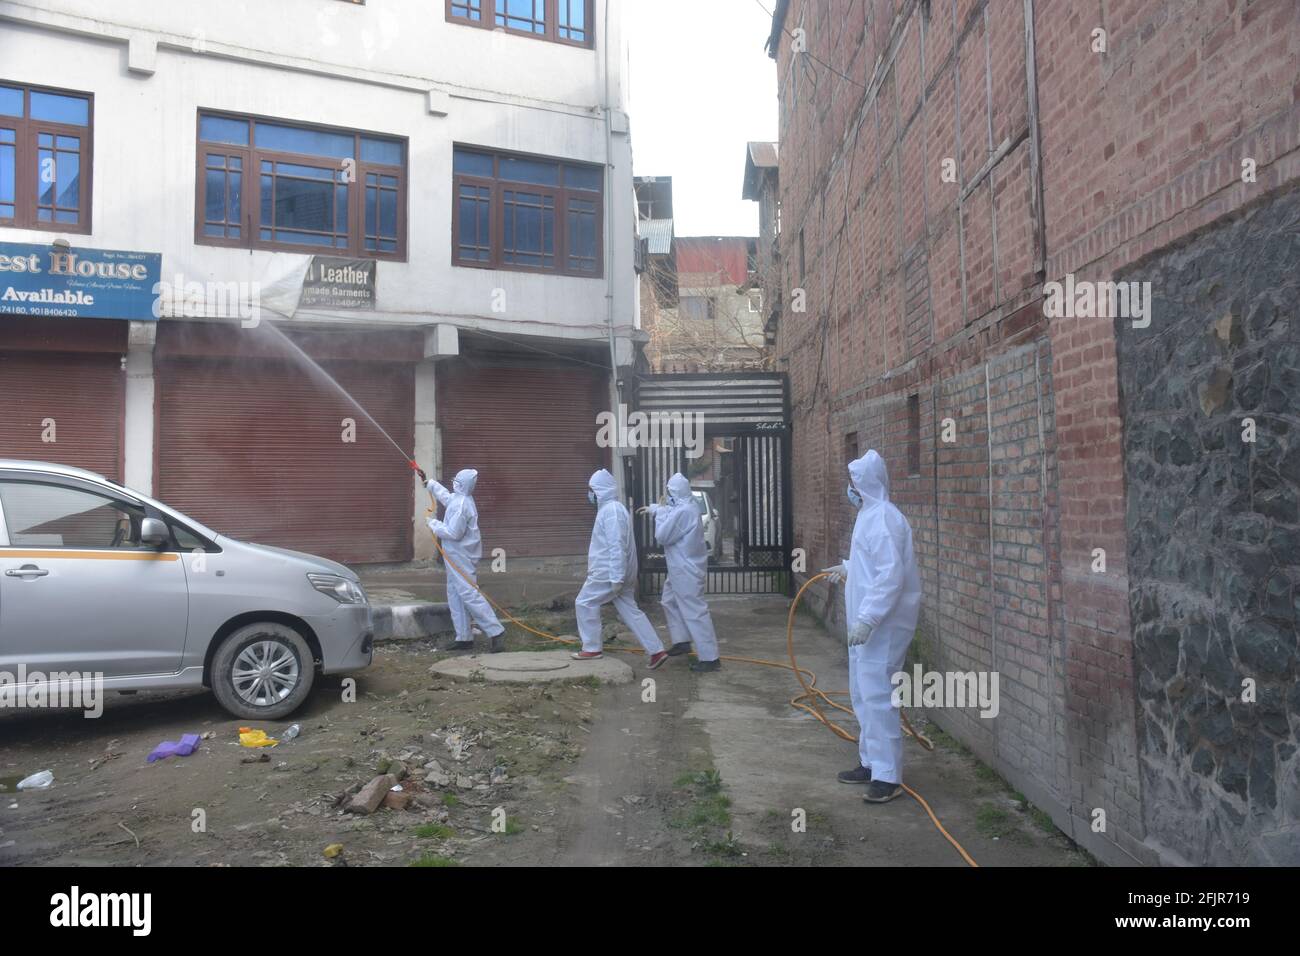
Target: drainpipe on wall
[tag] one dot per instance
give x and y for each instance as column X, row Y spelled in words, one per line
column 614, row 392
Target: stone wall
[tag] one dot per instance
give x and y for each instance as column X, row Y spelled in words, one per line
column 1214, row 538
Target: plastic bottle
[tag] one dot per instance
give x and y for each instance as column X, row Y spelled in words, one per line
column 291, row 732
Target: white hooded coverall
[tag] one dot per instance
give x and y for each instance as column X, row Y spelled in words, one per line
column 463, row 545
column 679, row 531
column 611, row 572
column 883, row 591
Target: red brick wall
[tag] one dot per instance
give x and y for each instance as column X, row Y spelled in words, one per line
column 919, row 286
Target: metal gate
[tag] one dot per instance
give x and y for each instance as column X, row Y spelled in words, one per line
column 740, row 479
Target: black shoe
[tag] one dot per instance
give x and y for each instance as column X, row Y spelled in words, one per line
column 497, row 643
column 881, row 792
column 461, row 645
column 856, row 775
column 705, row 666
column 677, row 650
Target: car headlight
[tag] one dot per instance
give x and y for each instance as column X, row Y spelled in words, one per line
column 339, row 588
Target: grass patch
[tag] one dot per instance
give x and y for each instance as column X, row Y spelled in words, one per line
column 513, row 826
column 591, row 682
column 431, row 859
column 994, row 822
column 450, row 800
column 433, row 831
column 709, row 806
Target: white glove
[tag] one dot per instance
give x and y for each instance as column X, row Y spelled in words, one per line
column 615, row 588
column 839, row 573
column 860, row 633
column 646, row 509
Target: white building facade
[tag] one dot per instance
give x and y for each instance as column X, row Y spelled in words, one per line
column 431, row 199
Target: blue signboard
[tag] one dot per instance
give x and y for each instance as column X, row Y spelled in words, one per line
column 78, row 283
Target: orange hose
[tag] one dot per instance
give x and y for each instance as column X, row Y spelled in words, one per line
column 807, row 701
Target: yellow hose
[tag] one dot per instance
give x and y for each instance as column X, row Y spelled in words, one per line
column 807, row 701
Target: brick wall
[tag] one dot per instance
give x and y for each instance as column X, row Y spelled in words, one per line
column 919, row 283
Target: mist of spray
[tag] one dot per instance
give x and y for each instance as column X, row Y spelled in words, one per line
column 325, row 378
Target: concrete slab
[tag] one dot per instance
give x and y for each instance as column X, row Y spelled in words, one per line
column 534, row 666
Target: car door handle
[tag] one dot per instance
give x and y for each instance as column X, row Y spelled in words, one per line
column 26, row 571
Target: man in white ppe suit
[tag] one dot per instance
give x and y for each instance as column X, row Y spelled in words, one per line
column 463, row 544
column 611, row 575
column 882, row 598
column 679, row 531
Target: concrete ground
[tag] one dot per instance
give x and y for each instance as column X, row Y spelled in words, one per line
column 772, row 760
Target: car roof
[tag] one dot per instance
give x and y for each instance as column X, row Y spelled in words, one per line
column 49, row 467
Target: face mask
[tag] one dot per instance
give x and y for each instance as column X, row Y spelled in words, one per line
column 855, row 499
column 456, row 486
column 591, row 497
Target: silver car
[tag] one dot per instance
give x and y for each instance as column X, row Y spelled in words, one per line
column 100, row 580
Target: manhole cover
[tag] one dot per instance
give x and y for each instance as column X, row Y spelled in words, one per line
column 517, row 667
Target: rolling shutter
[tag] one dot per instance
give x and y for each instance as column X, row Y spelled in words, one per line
column 83, row 394
column 254, row 448
column 531, row 433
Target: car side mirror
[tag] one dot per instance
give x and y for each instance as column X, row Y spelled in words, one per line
column 153, row 532
column 715, row 514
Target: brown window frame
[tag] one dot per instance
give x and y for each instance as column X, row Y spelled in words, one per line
column 27, row 134
column 252, row 157
column 552, row 14
column 496, row 187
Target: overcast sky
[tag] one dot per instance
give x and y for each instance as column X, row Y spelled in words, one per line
column 701, row 88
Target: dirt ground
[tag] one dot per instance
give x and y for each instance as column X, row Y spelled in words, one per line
column 692, row 769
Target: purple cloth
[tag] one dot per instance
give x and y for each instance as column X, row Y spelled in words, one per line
column 170, row 748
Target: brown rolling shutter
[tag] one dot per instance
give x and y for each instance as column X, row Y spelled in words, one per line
column 531, row 433
column 83, row 393
column 253, row 449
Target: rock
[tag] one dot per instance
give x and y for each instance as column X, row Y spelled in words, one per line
column 370, row 796
column 396, row 800
column 499, row 776
column 464, row 782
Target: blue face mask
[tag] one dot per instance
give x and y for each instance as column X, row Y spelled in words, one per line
column 591, row 497
column 855, row 499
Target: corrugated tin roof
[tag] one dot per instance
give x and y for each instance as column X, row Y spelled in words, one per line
column 659, row 232
column 757, row 156
column 763, row 154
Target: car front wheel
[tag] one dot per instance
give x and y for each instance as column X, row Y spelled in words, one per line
column 263, row 671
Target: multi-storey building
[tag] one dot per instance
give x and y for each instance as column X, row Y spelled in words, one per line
column 431, row 199
column 1041, row 255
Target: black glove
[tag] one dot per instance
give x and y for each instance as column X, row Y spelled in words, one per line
column 423, row 477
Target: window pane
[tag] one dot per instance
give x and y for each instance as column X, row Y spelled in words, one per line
column 7, row 184
column 474, row 241
column 529, row 237
column 530, row 171
column 311, row 211
column 584, row 177
column 222, row 129
column 581, row 236
column 52, row 516
column 469, row 9
column 472, row 164
column 11, row 101
column 384, row 151
column 309, row 142
column 214, row 210
column 69, row 181
column 573, row 20
column 529, row 15
column 58, row 108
